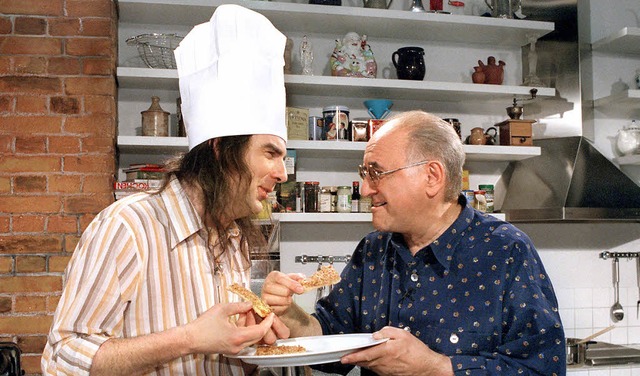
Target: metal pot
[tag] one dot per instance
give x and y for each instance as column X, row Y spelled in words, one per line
column 577, row 352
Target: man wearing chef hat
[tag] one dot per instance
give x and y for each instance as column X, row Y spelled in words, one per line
column 146, row 289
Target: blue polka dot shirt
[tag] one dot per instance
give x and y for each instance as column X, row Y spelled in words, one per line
column 478, row 294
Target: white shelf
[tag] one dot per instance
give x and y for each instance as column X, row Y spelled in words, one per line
column 171, row 145
column 625, row 103
column 624, row 41
column 628, row 160
column 167, row 79
column 378, row 23
column 322, row 217
column 335, row 217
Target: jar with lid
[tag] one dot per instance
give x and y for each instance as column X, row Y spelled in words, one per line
column 325, row 200
column 155, row 120
column 488, row 195
column 364, row 205
column 344, row 199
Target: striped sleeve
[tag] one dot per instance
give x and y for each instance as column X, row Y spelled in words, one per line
column 100, row 280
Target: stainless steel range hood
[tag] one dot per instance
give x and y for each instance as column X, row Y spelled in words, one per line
column 569, row 181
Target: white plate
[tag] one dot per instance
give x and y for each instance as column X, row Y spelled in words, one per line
column 320, row 349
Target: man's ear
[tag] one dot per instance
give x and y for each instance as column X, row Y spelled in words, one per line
column 435, row 178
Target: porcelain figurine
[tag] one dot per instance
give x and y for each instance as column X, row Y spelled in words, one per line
column 306, row 56
column 352, row 57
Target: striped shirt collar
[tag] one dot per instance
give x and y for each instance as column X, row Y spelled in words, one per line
column 186, row 221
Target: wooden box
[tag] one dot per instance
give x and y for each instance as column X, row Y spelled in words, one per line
column 516, row 132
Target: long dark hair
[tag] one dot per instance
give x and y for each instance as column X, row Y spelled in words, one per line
column 219, row 174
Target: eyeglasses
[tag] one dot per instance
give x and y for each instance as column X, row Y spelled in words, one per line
column 376, row 175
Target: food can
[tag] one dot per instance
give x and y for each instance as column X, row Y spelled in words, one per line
column 470, row 196
column 336, row 122
column 316, row 128
column 360, row 130
column 488, row 195
column 344, row 199
column 325, row 200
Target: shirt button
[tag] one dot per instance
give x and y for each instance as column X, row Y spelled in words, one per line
column 454, row 338
column 414, row 277
column 407, row 329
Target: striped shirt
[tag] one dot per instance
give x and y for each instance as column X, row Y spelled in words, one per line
column 142, row 266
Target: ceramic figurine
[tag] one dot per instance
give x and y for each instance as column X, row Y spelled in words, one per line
column 493, row 73
column 352, row 57
column 306, row 56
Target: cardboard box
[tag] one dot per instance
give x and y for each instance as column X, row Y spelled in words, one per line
column 297, row 123
column 516, row 132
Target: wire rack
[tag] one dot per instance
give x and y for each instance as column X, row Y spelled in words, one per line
column 156, row 50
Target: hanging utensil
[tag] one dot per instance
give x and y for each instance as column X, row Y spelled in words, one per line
column 617, row 312
column 638, row 277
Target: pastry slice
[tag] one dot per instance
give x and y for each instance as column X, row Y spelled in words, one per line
column 326, row 276
column 259, row 306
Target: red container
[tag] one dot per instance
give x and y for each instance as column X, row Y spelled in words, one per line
column 436, row 4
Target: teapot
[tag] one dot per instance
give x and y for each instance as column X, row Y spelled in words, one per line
column 378, row 4
column 628, row 139
column 479, row 136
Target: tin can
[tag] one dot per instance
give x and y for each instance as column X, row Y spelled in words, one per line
column 336, row 122
column 488, row 195
column 344, row 199
column 470, row 196
column 325, row 200
column 316, row 128
column 360, row 130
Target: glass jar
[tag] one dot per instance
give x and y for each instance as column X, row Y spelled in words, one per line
column 344, row 199
column 311, row 192
column 325, row 200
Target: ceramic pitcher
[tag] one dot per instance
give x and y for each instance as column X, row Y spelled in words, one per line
column 379, row 4
column 409, row 63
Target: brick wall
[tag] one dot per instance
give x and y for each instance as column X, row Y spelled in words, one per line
column 57, row 151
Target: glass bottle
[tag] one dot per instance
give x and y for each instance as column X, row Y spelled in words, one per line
column 355, row 197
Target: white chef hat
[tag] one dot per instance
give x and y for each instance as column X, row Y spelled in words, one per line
column 231, row 76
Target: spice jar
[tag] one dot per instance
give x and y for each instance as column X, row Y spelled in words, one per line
column 155, row 120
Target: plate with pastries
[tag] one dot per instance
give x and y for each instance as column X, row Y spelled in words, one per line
column 304, row 351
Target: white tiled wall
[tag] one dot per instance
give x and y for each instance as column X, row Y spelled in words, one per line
column 583, row 281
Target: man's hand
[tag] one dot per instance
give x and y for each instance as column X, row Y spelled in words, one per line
column 277, row 331
column 216, row 330
column 402, row 355
column 278, row 290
